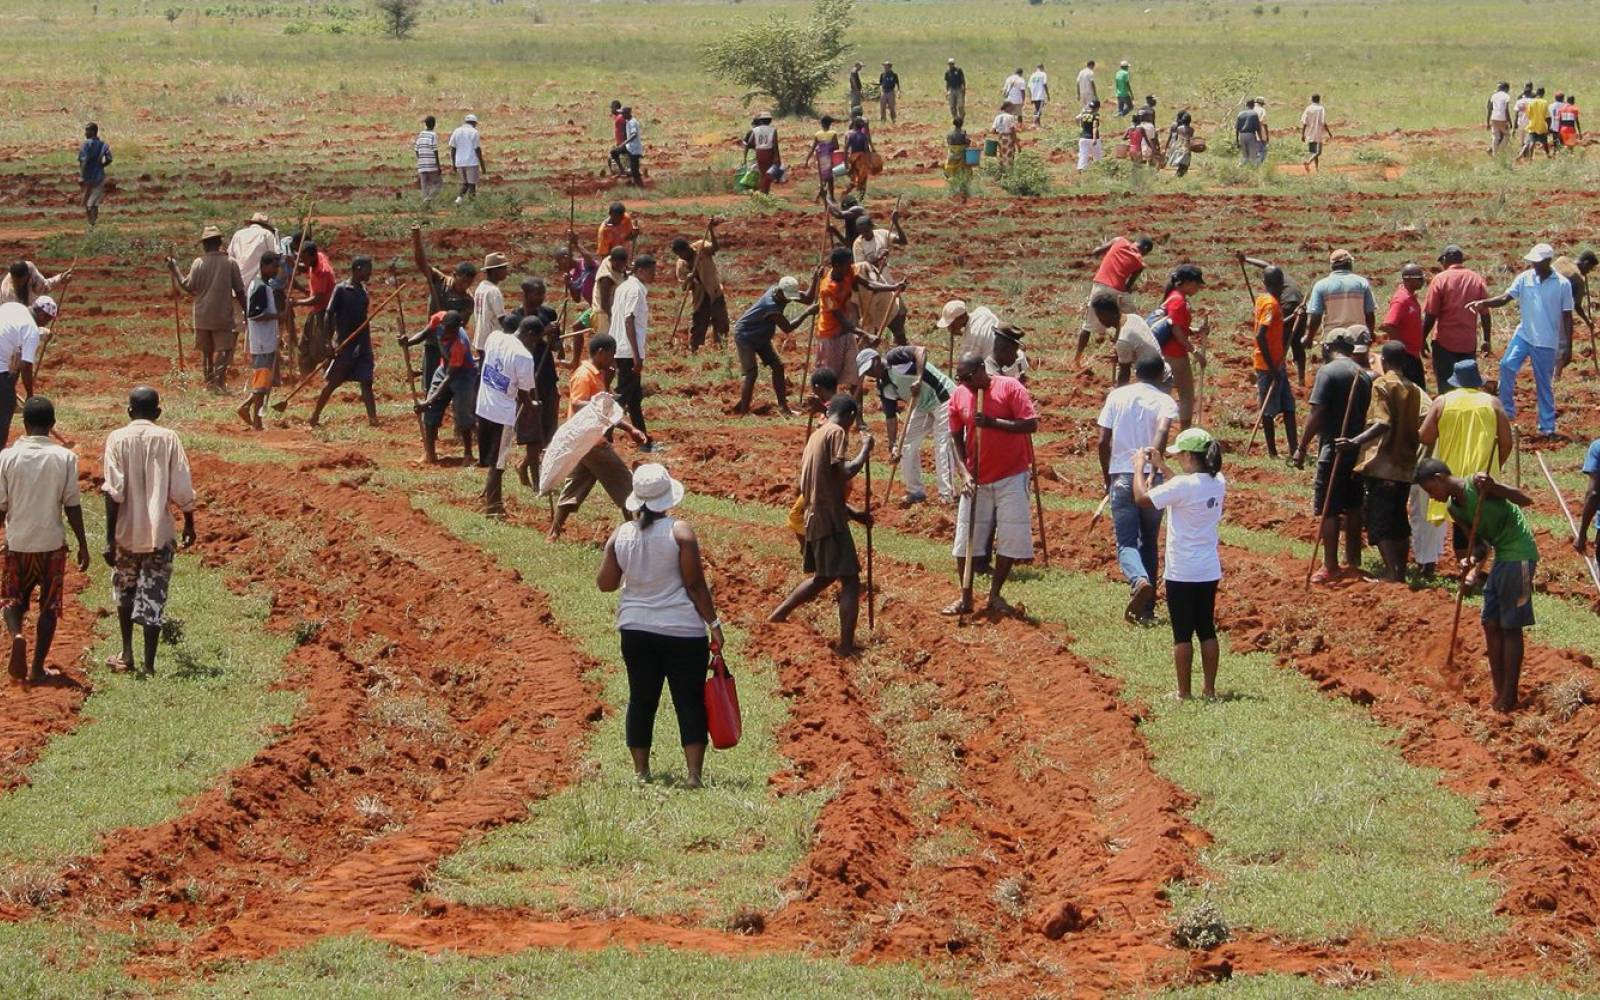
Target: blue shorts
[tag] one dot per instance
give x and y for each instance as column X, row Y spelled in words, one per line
column 1508, row 594
column 460, row 396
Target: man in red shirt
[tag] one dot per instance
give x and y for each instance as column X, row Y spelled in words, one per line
column 992, row 421
column 1120, row 266
column 1446, row 308
column 314, row 339
column 1403, row 321
column 619, row 139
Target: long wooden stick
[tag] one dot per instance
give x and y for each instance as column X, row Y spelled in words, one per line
column 805, row 373
column 972, row 503
column 1516, row 454
column 411, row 373
column 38, row 367
column 1100, row 509
column 871, row 614
column 283, row 404
column 1333, row 469
column 1589, row 562
column 1594, row 350
column 1038, row 503
column 1472, row 562
column 687, row 291
column 1249, row 289
column 177, row 325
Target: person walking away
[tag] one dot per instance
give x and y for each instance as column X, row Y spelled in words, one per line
column 1089, row 148
column 762, row 139
column 1135, row 419
column 466, row 157
column 1314, row 132
column 1015, row 90
column 1577, row 274
column 666, row 619
column 1591, row 499
column 906, row 376
column 352, row 361
column 1341, row 299
column 1497, row 117
column 446, row 293
column 1520, row 114
column 994, row 469
column 1295, row 321
column 1538, row 126
column 956, row 169
column 753, row 334
column 1570, row 129
column 1273, row 393
column 93, row 158
column 630, row 328
column 619, row 229
column 1180, row 347
column 20, row 336
column 619, row 136
column 1005, row 130
column 146, row 474
column 856, row 88
column 1039, row 93
column 1334, row 414
column 870, row 251
column 823, row 147
column 430, row 178
column 601, row 464
column 261, row 341
column 1403, row 320
column 830, row 551
column 633, row 147
column 1087, row 94
column 1180, row 140
column 1553, row 111
column 454, row 384
column 1544, row 299
column 1134, row 343
column 1508, row 593
column 1248, row 130
column 888, row 92
column 1388, row 458
column 217, row 285
column 1149, row 140
column 955, row 89
column 38, row 484
column 1122, row 83
column 1446, row 316
column 698, row 276
column 1193, row 566
column 1467, row 429
column 858, row 157
column 488, row 301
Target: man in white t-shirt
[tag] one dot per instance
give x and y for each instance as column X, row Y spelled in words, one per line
column 1135, row 417
column 1014, row 90
column 466, row 157
column 1519, row 113
column 19, row 351
column 630, row 327
column 1498, row 117
column 872, row 249
column 506, row 379
column 488, row 301
column 1314, row 131
column 1134, row 342
column 1087, row 94
column 1039, row 91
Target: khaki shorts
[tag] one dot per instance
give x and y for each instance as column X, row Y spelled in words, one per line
column 468, row 175
column 214, row 341
column 1004, row 512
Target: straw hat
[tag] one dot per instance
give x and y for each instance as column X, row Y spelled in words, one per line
column 210, row 233
column 261, row 217
column 495, row 260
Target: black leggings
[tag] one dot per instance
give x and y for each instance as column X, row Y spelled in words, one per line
column 1193, row 607
column 653, row 658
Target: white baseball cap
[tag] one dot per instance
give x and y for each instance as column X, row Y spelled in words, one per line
column 472, row 119
column 953, row 310
column 789, row 286
column 1540, row 252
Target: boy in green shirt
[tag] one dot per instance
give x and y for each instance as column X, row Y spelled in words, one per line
column 1124, row 84
column 1495, row 509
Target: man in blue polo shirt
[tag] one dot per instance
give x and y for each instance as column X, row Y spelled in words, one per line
column 1342, row 299
column 1545, row 299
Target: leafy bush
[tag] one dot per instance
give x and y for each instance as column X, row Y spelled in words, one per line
column 399, row 17
column 788, row 62
column 1027, row 178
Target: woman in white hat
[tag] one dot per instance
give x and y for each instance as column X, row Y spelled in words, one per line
column 667, row 620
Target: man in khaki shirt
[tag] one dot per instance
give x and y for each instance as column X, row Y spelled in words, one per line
column 146, row 472
column 217, row 284
column 698, row 275
column 38, row 481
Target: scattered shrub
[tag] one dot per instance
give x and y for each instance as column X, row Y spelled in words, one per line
column 788, row 62
column 399, row 17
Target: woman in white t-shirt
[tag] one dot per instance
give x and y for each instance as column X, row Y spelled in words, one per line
column 666, row 618
column 1193, row 569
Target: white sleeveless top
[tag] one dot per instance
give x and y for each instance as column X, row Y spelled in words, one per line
column 653, row 595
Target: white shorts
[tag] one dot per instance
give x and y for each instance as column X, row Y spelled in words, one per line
column 469, row 175
column 1003, row 511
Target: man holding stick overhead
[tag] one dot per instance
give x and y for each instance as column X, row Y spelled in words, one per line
column 352, row 358
column 992, row 421
column 1339, row 400
column 1494, row 511
column 830, row 551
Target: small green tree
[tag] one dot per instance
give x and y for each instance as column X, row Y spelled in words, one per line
column 399, row 16
column 790, row 63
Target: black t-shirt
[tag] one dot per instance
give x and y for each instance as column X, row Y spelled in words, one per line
column 855, row 81
column 1332, row 392
column 443, row 298
column 347, row 310
column 954, row 77
column 889, row 81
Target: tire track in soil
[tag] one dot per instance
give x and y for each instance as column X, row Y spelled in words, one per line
column 282, row 853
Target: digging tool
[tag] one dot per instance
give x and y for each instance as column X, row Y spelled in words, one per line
column 1249, row 289
column 1261, row 415
column 1100, row 509
column 177, row 326
column 1327, row 496
column 1038, row 505
column 1594, row 351
column 1589, row 562
column 1516, row 454
column 898, row 445
column 811, row 343
column 38, row 367
column 283, row 404
column 872, row 622
column 972, row 503
column 688, row 291
column 411, row 373
column 1472, row 562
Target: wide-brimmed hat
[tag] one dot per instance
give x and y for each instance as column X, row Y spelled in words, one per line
column 210, row 233
column 1541, row 252
column 495, row 260
column 262, row 218
column 655, row 488
column 953, row 310
column 864, row 359
column 45, row 304
column 1465, row 375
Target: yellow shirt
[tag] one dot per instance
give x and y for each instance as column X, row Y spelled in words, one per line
column 1538, row 116
column 1468, row 432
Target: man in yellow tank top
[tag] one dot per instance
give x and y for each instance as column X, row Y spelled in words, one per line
column 1467, row 428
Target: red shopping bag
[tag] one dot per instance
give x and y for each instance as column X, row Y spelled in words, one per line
column 722, row 706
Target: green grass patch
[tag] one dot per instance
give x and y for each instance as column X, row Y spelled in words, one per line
column 1277, row 986
column 606, row 843
column 146, row 745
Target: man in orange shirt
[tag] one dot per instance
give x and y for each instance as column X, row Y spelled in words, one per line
column 837, row 331
column 1272, row 372
column 602, row 464
column 619, row 229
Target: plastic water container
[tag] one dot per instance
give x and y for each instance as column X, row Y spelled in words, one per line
column 991, row 147
column 974, row 156
column 840, row 170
